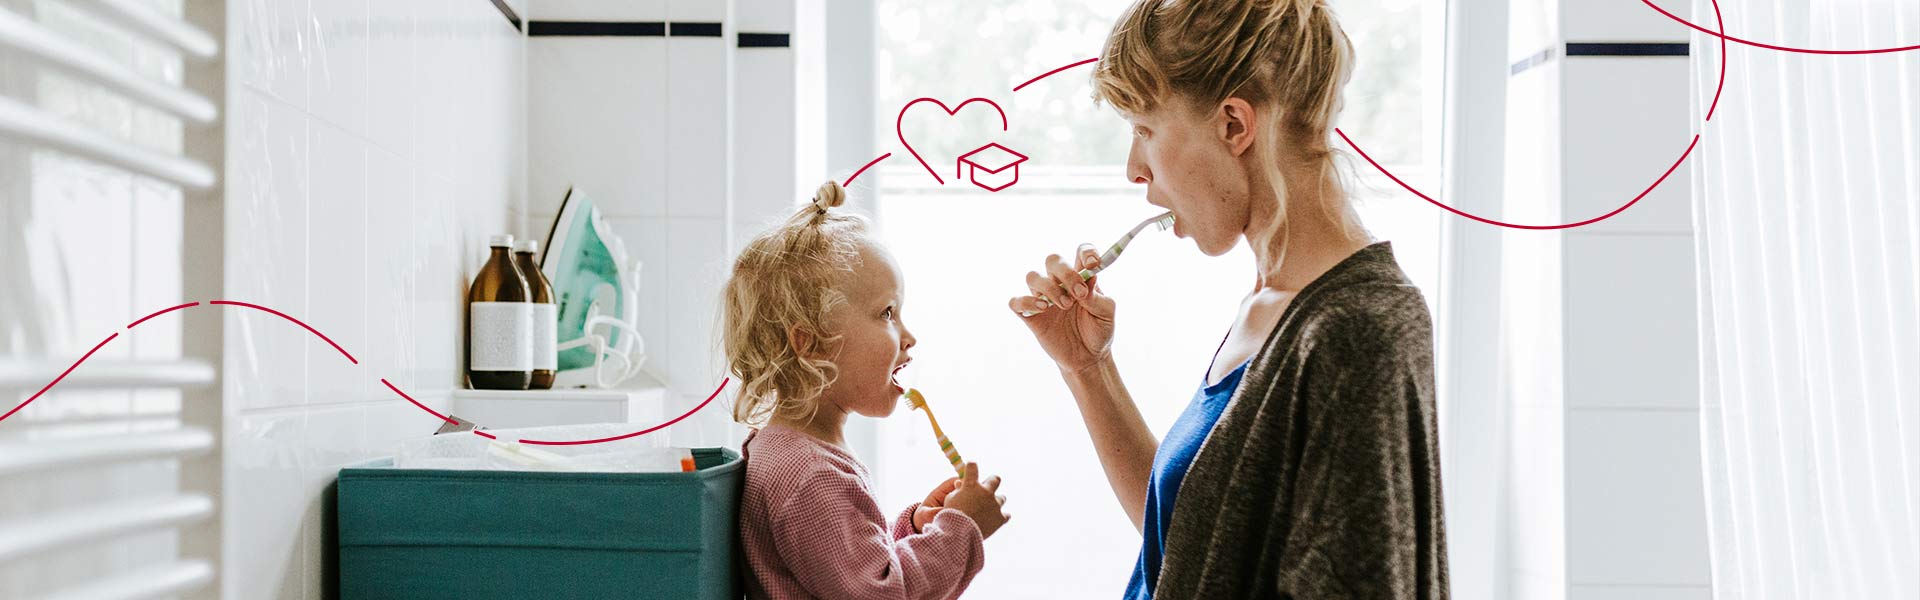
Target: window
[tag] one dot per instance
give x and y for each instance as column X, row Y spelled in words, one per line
column 965, row 251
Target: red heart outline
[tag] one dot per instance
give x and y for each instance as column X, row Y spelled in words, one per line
column 950, row 112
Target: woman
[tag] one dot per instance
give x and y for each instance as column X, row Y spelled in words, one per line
column 1306, row 465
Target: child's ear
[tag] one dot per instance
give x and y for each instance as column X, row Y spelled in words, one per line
column 801, row 341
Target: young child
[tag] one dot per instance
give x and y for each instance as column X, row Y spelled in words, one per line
column 813, row 333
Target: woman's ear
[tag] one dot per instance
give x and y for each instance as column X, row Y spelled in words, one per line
column 1237, row 124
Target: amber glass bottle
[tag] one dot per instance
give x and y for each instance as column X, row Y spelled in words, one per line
column 546, row 316
column 499, row 323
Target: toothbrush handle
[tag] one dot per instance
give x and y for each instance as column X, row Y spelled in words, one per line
column 953, row 456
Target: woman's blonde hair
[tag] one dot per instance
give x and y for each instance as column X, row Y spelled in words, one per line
column 788, row 277
column 1288, row 58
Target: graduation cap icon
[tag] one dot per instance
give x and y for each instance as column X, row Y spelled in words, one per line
column 993, row 167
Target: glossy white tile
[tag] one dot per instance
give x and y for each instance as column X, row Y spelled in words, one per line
column 1630, row 334
column 598, row 115
column 392, row 271
column 392, row 89
column 1635, row 505
column 646, row 238
column 699, row 125
column 274, row 47
column 338, row 229
column 1624, row 123
column 698, row 267
column 595, row 10
column 1624, row 21
column 266, row 362
column 266, row 505
column 337, row 78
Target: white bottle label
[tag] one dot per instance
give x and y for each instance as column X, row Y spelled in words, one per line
column 546, row 328
column 500, row 336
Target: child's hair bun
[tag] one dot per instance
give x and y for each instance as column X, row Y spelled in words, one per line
column 831, row 195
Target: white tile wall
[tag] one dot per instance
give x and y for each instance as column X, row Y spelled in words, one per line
column 1604, row 498
column 1629, row 332
column 376, row 144
column 1623, row 21
column 599, row 115
column 1625, row 122
column 1640, row 592
column 689, row 146
column 1636, row 513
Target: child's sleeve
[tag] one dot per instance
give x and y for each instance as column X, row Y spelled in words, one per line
column 837, row 544
column 903, row 524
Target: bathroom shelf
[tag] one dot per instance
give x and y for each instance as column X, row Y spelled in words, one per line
column 102, row 373
column 639, row 401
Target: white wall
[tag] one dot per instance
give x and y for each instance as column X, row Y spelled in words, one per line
column 1605, row 470
column 689, row 145
column 373, row 145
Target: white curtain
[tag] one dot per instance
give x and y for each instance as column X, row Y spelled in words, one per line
column 1807, row 209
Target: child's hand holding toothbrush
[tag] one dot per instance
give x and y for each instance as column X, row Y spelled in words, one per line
column 980, row 500
column 936, row 500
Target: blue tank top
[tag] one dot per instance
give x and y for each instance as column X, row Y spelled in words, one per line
column 1170, row 464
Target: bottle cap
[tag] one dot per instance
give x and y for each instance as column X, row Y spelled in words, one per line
column 500, row 240
column 526, row 246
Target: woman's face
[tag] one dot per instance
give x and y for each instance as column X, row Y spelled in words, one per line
column 1193, row 165
column 874, row 341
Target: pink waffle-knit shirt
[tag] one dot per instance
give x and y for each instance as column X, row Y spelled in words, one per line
column 810, row 528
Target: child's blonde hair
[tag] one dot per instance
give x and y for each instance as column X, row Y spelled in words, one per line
column 788, row 277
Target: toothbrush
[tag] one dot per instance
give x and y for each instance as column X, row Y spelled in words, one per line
column 1113, row 252
column 919, row 402
column 1165, row 220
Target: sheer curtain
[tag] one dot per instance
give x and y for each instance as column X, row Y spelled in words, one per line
column 1807, row 208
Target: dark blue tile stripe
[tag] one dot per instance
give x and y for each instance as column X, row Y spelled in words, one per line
column 693, row 29
column 1626, row 49
column 765, row 40
column 1601, row 49
column 596, row 28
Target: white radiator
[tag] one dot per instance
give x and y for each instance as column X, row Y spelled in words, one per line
column 110, row 482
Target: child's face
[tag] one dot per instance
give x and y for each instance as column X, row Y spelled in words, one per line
column 874, row 341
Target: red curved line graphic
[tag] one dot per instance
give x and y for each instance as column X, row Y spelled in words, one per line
column 1723, row 60
column 63, row 375
column 396, row 390
column 343, row 351
column 1724, row 37
column 160, row 312
column 1050, row 73
column 1623, row 207
column 950, row 112
column 863, row 169
column 709, row 400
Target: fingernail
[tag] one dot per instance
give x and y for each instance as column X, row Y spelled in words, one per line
column 1045, row 305
column 1079, row 291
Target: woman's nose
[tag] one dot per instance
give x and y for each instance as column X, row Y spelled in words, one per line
column 1137, row 167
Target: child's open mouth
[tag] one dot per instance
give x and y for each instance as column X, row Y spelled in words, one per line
column 895, row 377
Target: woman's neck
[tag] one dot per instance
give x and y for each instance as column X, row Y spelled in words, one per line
column 1309, row 244
column 828, row 423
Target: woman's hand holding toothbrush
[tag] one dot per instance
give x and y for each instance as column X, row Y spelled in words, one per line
column 1069, row 316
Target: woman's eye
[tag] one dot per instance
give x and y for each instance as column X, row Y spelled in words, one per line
column 888, row 313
